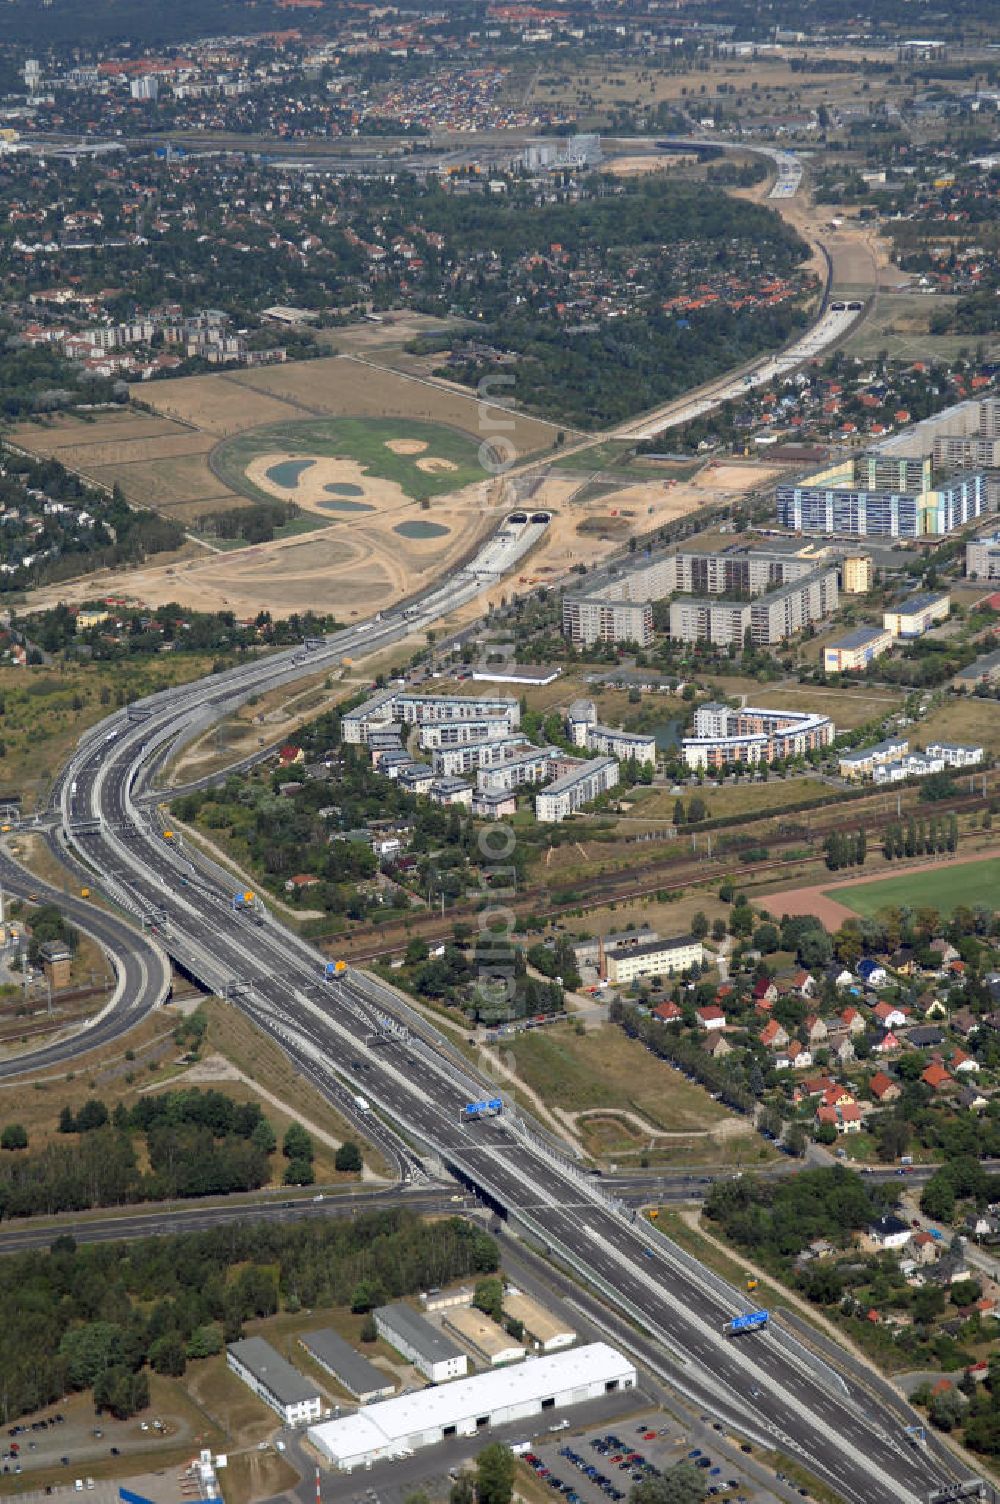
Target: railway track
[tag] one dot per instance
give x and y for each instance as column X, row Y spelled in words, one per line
column 616, row 887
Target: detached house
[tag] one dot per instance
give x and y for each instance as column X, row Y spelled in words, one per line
column 773, row 1036
column 936, row 1077
column 883, row 1088
column 765, row 992
column 890, row 1015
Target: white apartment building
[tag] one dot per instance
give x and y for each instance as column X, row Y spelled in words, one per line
column 913, row 765
column 467, row 757
column 653, row 958
column 459, row 733
column 394, row 705
column 582, row 714
column 621, row 744
column 531, row 766
column 954, row 755
column 575, row 789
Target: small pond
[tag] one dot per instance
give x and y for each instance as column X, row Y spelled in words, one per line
column 287, row 472
column 421, row 530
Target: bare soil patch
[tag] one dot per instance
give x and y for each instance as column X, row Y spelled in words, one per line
column 406, row 446
column 435, row 466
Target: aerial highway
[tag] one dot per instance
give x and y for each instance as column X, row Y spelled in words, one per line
column 360, row 1045
column 386, row 1068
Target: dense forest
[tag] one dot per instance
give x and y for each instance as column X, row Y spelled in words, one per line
column 95, row 1316
column 197, row 1144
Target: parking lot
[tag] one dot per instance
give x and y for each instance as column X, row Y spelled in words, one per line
column 71, row 1437
column 603, row 1464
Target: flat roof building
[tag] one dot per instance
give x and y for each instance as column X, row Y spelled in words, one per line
column 273, row 1379
column 982, row 558
column 516, row 673
column 351, row 1371
column 856, row 649
column 856, row 574
column 915, row 616
column 654, row 958
column 430, row 1351
column 861, row 762
column 753, row 734
column 490, row 1343
column 880, row 495
column 540, row 1326
column 575, row 789
column 472, row 1406
column 621, row 744
column 985, row 671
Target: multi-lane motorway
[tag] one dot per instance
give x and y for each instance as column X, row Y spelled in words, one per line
column 354, row 1040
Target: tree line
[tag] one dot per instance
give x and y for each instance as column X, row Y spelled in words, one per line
column 99, row 1316
column 197, row 1144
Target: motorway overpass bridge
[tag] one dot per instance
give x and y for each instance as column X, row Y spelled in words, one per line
column 384, row 1065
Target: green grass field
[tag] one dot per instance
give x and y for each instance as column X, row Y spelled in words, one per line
column 361, row 439
column 971, row 883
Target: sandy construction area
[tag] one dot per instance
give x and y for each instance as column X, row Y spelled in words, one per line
column 637, row 166
column 406, row 446
column 720, row 477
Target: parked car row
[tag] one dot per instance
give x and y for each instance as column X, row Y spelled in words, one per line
column 568, row 1492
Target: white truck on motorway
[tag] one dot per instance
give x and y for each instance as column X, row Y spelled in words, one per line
column 362, row 1104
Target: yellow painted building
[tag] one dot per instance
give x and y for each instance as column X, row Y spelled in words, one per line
column 857, row 574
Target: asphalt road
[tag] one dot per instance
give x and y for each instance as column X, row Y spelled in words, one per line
column 384, row 1067
column 151, row 1221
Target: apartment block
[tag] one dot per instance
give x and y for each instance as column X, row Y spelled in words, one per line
column 589, row 619
column 781, row 613
column 460, row 733
column 914, row 617
column 955, row 755
column 856, row 650
column 753, row 735
column 861, row 762
column 856, row 572
column 575, row 788
column 654, row 958
column 467, row 757
column 621, row 744
column 531, row 766
column 708, row 619
column 913, row 765
column 581, row 716
column 876, row 495
column 390, row 706
column 982, row 558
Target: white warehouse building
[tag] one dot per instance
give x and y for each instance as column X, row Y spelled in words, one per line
column 468, row 1407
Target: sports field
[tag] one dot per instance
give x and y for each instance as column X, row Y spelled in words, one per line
column 965, row 883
